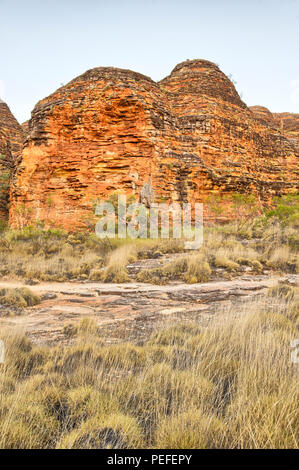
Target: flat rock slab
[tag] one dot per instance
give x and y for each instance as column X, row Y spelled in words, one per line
column 129, row 310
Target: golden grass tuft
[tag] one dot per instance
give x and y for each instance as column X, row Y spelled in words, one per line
column 116, row 431
column 115, row 270
column 188, row 268
column 228, row 384
column 191, row 429
column 18, row 297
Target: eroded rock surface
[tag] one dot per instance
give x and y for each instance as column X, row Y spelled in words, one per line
column 25, row 127
column 130, row 311
column 11, row 142
column 116, row 130
column 287, row 123
column 264, row 115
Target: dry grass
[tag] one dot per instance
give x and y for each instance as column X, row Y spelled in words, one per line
column 189, row 268
column 49, row 255
column 225, row 253
column 54, row 255
column 20, row 297
column 229, row 384
column 118, row 260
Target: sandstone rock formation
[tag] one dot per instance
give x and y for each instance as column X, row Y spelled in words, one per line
column 25, row 127
column 264, row 115
column 287, row 123
column 110, row 130
column 11, row 141
column 237, row 153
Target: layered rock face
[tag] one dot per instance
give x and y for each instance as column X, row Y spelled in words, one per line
column 25, row 127
column 98, row 134
column 110, row 130
column 287, row 123
column 264, row 115
column 223, row 147
column 11, row 142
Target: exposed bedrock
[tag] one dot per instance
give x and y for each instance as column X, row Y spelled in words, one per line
column 11, row 142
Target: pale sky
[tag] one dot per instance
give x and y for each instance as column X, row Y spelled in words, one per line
column 46, row 43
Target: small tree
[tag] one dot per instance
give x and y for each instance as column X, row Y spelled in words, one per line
column 286, row 209
column 214, row 204
column 244, row 206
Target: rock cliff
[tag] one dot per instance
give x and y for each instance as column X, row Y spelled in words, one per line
column 25, row 127
column 287, row 123
column 264, row 115
column 11, row 141
column 110, row 130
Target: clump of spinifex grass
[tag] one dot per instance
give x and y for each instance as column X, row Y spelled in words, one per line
column 189, row 268
column 228, row 384
column 55, row 255
column 225, row 252
column 115, row 270
column 18, row 297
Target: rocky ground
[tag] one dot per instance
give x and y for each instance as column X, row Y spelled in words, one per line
column 128, row 311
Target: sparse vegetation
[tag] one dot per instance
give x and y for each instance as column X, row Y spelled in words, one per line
column 252, row 243
column 117, row 262
column 261, row 244
column 229, row 384
column 189, row 268
column 18, row 297
column 55, row 255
